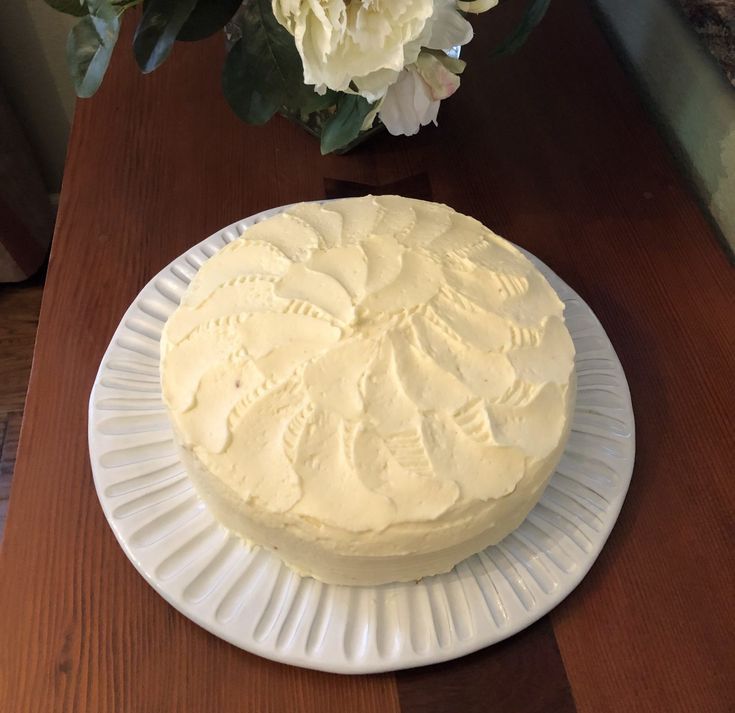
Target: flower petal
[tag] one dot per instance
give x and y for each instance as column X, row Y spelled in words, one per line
column 408, row 105
column 448, row 27
column 441, row 82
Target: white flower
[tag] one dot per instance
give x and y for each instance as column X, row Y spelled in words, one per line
column 408, row 105
column 367, row 42
column 413, row 101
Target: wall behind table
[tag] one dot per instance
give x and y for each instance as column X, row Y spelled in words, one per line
column 34, row 76
column 688, row 93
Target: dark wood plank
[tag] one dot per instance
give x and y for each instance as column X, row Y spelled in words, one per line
column 3, row 431
column 9, row 436
column 4, row 506
column 418, row 186
column 8, row 446
column 551, row 148
column 524, row 673
column 4, row 479
column 19, row 308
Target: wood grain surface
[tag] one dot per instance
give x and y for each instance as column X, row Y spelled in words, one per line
column 552, row 149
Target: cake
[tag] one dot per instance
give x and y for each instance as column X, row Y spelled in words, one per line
column 374, row 388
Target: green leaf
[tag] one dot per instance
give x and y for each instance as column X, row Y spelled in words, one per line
column 534, row 13
column 88, row 50
column 346, row 124
column 263, row 71
column 307, row 101
column 161, row 22
column 251, row 99
column 206, row 18
column 69, row 7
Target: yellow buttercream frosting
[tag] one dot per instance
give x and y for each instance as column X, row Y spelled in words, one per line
column 375, row 387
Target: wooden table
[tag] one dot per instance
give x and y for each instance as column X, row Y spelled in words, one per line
column 553, row 149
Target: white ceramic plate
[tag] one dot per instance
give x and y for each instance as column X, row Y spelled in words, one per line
column 246, row 596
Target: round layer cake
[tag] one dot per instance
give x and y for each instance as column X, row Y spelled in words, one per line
column 375, row 388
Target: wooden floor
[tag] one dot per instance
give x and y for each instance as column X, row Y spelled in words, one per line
column 19, row 307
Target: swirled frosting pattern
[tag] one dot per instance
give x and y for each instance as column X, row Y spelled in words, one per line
column 376, row 375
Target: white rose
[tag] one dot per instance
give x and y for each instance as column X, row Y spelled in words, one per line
column 368, row 42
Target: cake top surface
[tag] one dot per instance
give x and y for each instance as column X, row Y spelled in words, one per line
column 367, row 363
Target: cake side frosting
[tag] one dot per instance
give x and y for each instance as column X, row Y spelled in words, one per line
column 380, row 377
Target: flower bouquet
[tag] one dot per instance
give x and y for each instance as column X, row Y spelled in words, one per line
column 340, row 68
